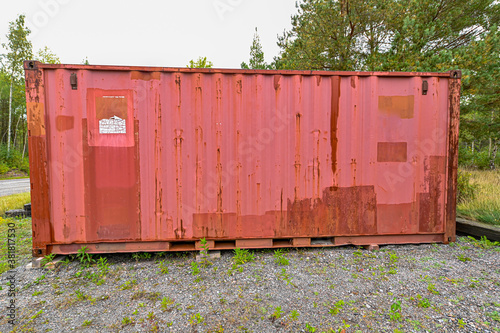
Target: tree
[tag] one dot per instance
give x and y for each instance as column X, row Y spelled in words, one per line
column 202, row 62
column 407, row 35
column 18, row 48
column 414, row 35
column 46, row 56
column 256, row 55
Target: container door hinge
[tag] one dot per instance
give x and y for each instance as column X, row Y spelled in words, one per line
column 425, row 87
column 73, row 80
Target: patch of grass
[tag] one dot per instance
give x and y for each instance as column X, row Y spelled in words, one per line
column 20, row 231
column 166, row 302
column 242, row 256
column 196, row 319
column 485, row 206
column 424, row 303
column 141, row 294
column 163, row 267
column 141, row 255
column 128, row 284
column 463, row 258
column 280, row 257
column 495, row 315
column 14, row 201
column 127, row 321
column 484, row 242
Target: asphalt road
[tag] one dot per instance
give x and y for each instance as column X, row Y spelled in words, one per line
column 13, row 186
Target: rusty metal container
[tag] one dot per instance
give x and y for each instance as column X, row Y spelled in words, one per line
column 154, row 159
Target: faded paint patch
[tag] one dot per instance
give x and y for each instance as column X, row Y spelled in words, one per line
column 36, row 118
column 145, row 76
column 109, row 106
column 64, row 123
column 391, row 152
column 401, row 106
column 397, row 218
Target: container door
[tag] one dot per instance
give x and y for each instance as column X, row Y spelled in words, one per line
column 111, row 165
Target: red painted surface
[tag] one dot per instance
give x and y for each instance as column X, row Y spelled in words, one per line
column 236, row 155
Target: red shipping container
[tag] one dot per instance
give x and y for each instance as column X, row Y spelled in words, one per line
column 127, row 159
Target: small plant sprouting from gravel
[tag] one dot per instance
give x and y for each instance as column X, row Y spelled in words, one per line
column 87, row 323
column 204, row 253
column 196, row 319
column 277, row 313
column 495, row 315
column 128, row 284
column 81, row 296
column 395, row 312
column 166, row 302
column 84, row 257
column 423, row 302
column 48, row 258
column 127, row 321
column 310, row 328
column 141, row 255
column 294, row 315
column 241, row 256
column 280, row 258
column 195, row 270
column 163, row 267
column 336, row 307
column 463, row 258
column 432, row 288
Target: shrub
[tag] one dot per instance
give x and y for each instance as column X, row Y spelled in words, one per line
column 465, row 190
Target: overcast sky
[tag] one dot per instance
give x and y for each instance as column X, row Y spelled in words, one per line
column 151, row 32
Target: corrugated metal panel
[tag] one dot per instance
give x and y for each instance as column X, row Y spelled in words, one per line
column 157, row 158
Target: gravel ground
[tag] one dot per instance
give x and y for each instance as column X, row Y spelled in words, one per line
column 405, row 288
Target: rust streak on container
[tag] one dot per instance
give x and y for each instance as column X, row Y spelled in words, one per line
column 145, row 76
column 316, row 179
column 198, row 142
column 297, row 163
column 454, row 119
column 158, row 167
column 334, row 115
column 179, row 232
column 219, row 229
column 236, row 124
column 37, row 145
